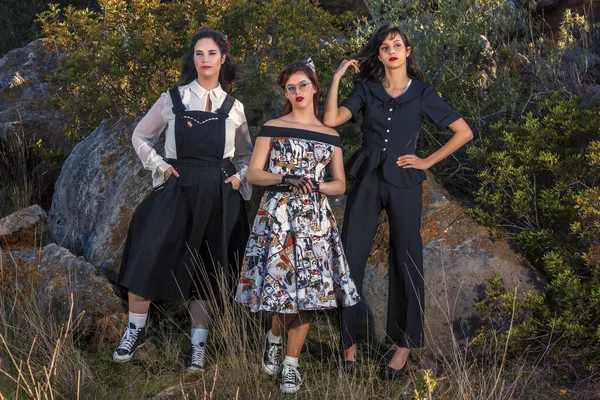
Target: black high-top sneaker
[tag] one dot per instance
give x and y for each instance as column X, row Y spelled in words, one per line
column 197, row 357
column 290, row 379
column 272, row 357
column 132, row 339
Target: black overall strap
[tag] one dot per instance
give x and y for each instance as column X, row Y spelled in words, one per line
column 226, row 106
column 176, row 99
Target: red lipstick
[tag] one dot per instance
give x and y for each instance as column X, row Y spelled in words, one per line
column 299, row 98
column 393, row 58
column 206, row 67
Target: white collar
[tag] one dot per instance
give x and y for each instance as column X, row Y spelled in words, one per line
column 201, row 92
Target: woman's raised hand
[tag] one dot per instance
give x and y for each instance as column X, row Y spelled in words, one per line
column 344, row 65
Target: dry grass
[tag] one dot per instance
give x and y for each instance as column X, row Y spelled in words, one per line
column 40, row 359
column 20, row 182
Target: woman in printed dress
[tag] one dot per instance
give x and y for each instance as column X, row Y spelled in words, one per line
column 294, row 262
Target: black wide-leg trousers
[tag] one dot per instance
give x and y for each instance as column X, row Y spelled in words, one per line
column 367, row 197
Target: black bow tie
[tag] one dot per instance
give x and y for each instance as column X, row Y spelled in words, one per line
column 392, row 102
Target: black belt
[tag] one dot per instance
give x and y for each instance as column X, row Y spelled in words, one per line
column 196, row 162
column 278, row 188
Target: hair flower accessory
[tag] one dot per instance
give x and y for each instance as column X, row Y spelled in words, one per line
column 311, row 64
column 227, row 41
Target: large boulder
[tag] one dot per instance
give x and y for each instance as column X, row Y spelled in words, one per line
column 24, row 229
column 57, row 276
column 30, row 122
column 100, row 185
column 459, row 256
column 25, row 100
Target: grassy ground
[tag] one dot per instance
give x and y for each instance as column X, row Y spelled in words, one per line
column 40, row 358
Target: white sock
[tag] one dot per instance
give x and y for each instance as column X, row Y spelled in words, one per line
column 272, row 338
column 293, row 361
column 199, row 336
column 139, row 320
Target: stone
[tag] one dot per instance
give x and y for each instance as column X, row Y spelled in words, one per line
column 24, row 229
column 582, row 60
column 57, row 276
column 546, row 4
column 100, row 186
column 459, row 256
column 30, row 124
column 25, row 99
column 175, row 392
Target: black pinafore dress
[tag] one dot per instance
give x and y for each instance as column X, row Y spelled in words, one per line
column 187, row 238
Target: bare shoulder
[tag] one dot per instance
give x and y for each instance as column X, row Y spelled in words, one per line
column 275, row 122
column 329, row 131
column 320, row 128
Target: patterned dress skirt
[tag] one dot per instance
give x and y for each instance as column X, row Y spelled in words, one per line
column 294, row 259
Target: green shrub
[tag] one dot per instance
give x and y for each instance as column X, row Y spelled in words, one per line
column 118, row 61
column 267, row 35
column 539, row 184
column 490, row 60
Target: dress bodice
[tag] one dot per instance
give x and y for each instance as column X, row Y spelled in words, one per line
column 300, row 152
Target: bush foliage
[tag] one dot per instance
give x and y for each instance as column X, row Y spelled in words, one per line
column 119, row 61
column 531, row 171
column 539, row 183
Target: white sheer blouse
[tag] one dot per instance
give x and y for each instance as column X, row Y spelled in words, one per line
column 194, row 97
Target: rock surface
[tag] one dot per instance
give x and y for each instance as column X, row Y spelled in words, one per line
column 100, row 185
column 582, row 60
column 25, row 102
column 56, row 274
column 459, row 255
column 24, row 229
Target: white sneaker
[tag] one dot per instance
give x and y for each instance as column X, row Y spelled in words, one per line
column 197, row 357
column 290, row 379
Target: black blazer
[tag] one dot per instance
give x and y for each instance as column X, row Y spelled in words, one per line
column 391, row 127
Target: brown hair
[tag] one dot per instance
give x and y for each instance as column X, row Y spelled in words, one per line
column 299, row 66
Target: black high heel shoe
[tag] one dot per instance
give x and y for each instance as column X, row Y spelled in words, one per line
column 388, row 373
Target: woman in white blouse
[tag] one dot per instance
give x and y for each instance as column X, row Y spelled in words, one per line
column 188, row 234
